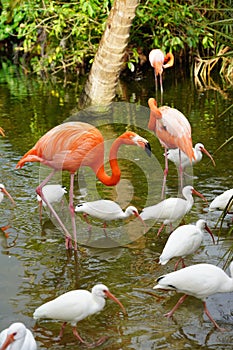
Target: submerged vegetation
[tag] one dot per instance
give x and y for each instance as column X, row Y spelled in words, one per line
column 49, row 37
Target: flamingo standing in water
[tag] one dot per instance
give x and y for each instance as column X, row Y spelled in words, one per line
column 17, row 337
column 185, row 240
column 200, row 281
column 171, row 209
column 72, row 145
column 76, row 305
column 173, row 131
column 159, row 62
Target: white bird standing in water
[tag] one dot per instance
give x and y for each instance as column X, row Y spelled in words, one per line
column 199, row 149
column 76, row 305
column 4, row 191
column 171, row 209
column 185, row 240
column 53, row 194
column 220, row 202
column 17, row 337
column 106, row 210
column 200, row 281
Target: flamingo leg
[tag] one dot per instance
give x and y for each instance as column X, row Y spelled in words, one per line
column 40, row 210
column 156, row 84
column 40, row 193
column 161, row 88
column 72, row 213
column 165, row 174
column 180, row 301
column 180, row 171
column 211, row 318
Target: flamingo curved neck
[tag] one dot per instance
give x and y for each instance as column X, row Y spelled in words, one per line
column 116, row 173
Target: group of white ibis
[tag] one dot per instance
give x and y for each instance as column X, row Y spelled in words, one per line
column 71, row 145
column 173, row 130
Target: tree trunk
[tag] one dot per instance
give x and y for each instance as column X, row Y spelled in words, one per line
column 102, row 80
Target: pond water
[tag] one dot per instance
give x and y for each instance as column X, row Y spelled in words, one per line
column 35, row 266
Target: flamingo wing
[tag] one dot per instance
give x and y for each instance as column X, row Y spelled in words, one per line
column 67, row 146
column 174, row 130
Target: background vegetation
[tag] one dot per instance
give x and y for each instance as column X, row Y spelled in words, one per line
column 48, row 37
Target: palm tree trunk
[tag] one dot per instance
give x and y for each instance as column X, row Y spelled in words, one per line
column 103, row 77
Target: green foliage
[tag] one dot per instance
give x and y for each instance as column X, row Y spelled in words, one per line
column 49, row 36
column 180, row 25
column 52, row 36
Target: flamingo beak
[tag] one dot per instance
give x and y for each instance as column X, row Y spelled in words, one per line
column 210, row 232
column 8, row 341
column 208, row 155
column 148, row 149
column 111, row 296
column 199, row 195
column 9, row 196
column 141, row 142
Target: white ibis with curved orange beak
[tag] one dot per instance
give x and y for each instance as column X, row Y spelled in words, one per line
column 171, row 209
column 106, row 210
column 185, row 240
column 199, row 149
column 76, row 305
column 17, row 337
column 200, row 281
column 4, row 191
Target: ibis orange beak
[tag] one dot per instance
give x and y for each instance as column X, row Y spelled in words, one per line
column 208, row 155
column 8, row 195
column 199, row 194
column 8, row 341
column 111, row 296
column 210, row 232
column 139, row 217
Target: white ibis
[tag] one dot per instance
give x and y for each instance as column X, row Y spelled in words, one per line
column 53, row 194
column 17, row 337
column 173, row 131
column 185, row 240
column 171, row 209
column 106, row 210
column 200, row 281
column 220, row 202
column 76, row 305
column 199, row 149
column 4, row 191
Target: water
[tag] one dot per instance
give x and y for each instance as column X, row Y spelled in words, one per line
column 35, row 267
